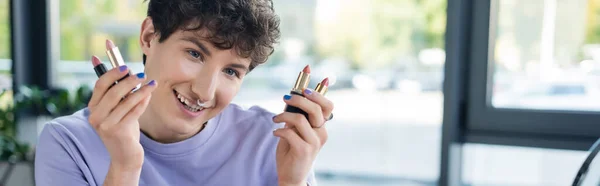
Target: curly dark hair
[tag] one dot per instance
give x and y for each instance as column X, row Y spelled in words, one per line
column 250, row 27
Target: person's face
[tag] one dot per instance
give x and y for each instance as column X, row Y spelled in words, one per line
column 186, row 65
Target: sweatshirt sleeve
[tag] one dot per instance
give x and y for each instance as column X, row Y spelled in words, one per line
column 54, row 165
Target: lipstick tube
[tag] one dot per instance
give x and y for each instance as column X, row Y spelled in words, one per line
column 301, row 84
column 322, row 86
column 100, row 69
column 115, row 58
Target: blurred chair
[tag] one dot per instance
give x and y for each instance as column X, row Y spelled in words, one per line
column 589, row 173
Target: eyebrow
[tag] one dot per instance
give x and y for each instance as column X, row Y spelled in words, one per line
column 197, row 42
column 240, row 66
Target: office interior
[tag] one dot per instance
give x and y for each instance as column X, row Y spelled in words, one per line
column 427, row 92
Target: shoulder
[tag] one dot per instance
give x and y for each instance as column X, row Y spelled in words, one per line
column 70, row 130
column 62, row 148
column 74, row 124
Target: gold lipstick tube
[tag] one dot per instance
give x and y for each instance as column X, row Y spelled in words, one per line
column 301, row 84
column 321, row 89
column 115, row 58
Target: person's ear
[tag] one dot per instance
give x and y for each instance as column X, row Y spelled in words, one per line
column 147, row 34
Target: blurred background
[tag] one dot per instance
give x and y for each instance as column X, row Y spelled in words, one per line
column 386, row 60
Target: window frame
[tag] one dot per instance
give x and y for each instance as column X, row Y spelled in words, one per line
column 468, row 114
column 31, row 53
column 563, row 129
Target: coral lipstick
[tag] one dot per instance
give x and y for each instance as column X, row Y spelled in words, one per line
column 301, row 84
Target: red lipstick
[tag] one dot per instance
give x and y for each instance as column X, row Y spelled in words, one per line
column 301, row 84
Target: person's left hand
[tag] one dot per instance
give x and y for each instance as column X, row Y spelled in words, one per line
column 301, row 139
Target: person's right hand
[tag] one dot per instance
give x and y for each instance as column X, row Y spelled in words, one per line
column 114, row 113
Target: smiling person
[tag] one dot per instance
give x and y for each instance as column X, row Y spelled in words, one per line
column 180, row 127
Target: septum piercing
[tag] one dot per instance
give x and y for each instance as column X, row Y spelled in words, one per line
column 199, row 104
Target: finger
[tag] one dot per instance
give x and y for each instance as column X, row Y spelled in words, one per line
column 298, row 121
column 315, row 114
column 138, row 110
column 291, row 137
column 105, row 82
column 321, row 100
column 115, row 94
column 131, row 101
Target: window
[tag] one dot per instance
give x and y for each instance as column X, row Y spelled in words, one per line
column 5, row 59
column 546, row 57
column 84, row 27
column 386, row 61
column 531, row 74
column 386, row 76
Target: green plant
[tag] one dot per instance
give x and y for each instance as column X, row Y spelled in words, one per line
column 11, row 149
column 52, row 102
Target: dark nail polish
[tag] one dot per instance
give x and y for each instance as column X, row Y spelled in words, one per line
column 287, row 97
column 273, row 118
column 141, row 75
column 307, row 91
column 123, row 68
column 152, row 83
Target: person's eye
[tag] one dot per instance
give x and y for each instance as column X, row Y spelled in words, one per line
column 195, row 54
column 232, row 72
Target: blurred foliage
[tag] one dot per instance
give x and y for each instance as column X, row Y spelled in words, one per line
column 11, row 149
column 84, row 26
column 593, row 20
column 53, row 103
column 367, row 33
column 4, row 30
column 376, row 33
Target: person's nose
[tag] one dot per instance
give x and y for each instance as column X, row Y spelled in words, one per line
column 205, row 85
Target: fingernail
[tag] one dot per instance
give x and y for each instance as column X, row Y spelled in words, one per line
column 123, row 68
column 141, row 75
column 152, row 83
column 307, row 91
column 287, row 97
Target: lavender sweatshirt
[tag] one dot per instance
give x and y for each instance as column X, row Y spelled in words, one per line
column 237, row 147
